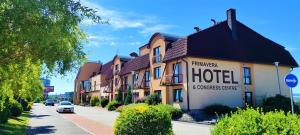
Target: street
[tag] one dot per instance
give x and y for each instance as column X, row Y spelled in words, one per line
column 90, row 120
column 45, row 120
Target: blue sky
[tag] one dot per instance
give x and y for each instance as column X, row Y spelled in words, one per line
column 132, row 22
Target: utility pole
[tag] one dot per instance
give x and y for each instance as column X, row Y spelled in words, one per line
column 278, row 80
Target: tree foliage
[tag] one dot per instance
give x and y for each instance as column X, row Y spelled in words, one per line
column 37, row 37
column 119, row 97
column 128, row 99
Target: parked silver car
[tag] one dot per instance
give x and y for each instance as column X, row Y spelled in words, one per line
column 65, row 106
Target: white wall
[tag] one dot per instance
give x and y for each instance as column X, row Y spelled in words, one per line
column 266, row 83
column 200, row 98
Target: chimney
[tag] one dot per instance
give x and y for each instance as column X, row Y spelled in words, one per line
column 231, row 21
column 133, row 54
column 197, row 29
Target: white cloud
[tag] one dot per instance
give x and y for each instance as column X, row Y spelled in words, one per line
column 135, row 43
column 156, row 28
column 121, row 20
column 97, row 40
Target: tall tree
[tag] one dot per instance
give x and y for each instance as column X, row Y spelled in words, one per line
column 119, row 97
column 128, row 99
column 38, row 35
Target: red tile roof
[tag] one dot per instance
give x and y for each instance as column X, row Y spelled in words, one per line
column 106, row 73
column 135, row 64
column 217, row 42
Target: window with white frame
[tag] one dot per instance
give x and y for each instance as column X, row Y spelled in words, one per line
column 177, row 95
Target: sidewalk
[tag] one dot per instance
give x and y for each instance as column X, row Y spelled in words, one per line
column 89, row 125
column 105, row 120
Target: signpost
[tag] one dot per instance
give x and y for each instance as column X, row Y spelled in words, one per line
column 291, row 81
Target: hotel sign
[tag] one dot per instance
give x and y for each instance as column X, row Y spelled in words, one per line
column 210, row 76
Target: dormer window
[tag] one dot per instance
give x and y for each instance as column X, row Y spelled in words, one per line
column 156, row 55
column 117, row 69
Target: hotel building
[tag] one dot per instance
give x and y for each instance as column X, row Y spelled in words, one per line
column 227, row 63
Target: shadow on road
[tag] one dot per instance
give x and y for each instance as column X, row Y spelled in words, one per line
column 41, row 130
column 38, row 116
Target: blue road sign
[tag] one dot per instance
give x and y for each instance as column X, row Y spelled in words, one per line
column 291, row 80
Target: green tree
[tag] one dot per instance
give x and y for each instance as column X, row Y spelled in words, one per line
column 128, row 99
column 39, row 37
column 119, row 97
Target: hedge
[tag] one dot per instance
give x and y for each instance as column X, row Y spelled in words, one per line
column 123, row 107
column 174, row 112
column 4, row 114
column 113, row 105
column 255, row 121
column 153, row 99
column 217, row 109
column 103, row 102
column 15, row 108
column 94, row 101
column 278, row 103
column 24, row 104
column 143, row 120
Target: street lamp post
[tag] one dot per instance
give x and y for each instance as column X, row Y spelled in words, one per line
column 279, row 87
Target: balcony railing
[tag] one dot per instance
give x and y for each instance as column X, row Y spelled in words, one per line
column 173, row 79
column 143, row 85
column 157, row 58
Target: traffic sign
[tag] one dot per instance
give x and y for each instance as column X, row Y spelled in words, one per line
column 291, row 80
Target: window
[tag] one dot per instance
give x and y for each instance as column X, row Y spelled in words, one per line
column 86, row 85
column 156, row 55
column 177, row 95
column 177, row 75
column 248, row 98
column 147, row 93
column 135, row 78
column 147, row 78
column 125, row 83
column 117, row 67
column 158, row 92
column 247, row 75
column 135, row 95
column 157, row 73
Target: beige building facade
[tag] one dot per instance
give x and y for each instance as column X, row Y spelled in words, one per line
column 217, row 65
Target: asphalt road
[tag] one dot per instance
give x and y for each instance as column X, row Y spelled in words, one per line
column 45, row 120
column 90, row 120
column 108, row 117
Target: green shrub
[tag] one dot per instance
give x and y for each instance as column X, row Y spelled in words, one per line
column 128, row 99
column 103, row 102
column 278, row 103
column 15, row 109
column 113, row 105
column 119, row 97
column 153, row 99
column 254, row 121
column 175, row 113
column 24, row 104
column 94, row 100
column 4, row 114
column 29, row 106
column 143, row 120
column 121, row 108
column 217, row 109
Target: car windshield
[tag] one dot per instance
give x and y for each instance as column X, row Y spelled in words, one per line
column 65, row 103
column 49, row 100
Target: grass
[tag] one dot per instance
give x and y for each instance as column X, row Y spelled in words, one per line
column 15, row 126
